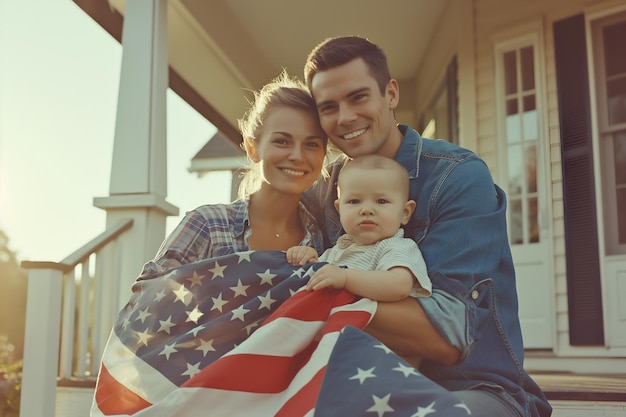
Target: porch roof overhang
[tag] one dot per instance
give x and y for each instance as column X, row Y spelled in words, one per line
column 221, row 50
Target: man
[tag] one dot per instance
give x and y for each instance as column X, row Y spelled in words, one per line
column 468, row 331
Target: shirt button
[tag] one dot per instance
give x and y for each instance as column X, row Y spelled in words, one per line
column 474, row 294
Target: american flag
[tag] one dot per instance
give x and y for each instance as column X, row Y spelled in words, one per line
column 233, row 336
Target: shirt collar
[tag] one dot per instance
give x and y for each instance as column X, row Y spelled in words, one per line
column 241, row 212
column 410, row 150
column 346, row 240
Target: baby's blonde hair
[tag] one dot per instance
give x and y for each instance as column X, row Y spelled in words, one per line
column 375, row 161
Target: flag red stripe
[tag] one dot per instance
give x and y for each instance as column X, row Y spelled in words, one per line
column 312, row 305
column 305, row 399
column 339, row 319
column 252, row 373
column 113, row 398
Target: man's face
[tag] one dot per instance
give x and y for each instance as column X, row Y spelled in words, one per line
column 357, row 118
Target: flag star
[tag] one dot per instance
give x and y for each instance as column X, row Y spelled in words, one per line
column 240, row 289
column 464, row 407
column 244, row 256
column 218, row 303
column 218, row 270
column 194, row 315
column 239, row 313
column 205, row 346
column 144, row 337
column 299, row 272
column 406, row 369
column 195, row 279
column 192, row 369
column 181, row 294
column 383, row 347
column 124, row 323
column 166, row 325
column 381, row 405
column 196, row 330
column 266, row 277
column 251, row 326
column 424, row 411
column 167, row 350
column 159, row 296
column 266, row 301
column 362, row 374
column 309, row 272
column 143, row 314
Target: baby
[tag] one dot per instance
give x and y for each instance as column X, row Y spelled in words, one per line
column 373, row 259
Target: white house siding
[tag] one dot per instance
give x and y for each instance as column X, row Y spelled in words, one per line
column 485, row 22
column 496, row 19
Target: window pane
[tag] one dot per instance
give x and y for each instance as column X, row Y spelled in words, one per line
column 513, row 128
column 510, row 73
column 528, row 68
column 529, row 103
column 531, row 167
column 615, row 57
column 515, row 170
column 515, row 223
column 511, row 107
column 533, row 221
column 616, row 96
column 531, row 130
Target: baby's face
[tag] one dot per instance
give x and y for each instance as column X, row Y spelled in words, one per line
column 372, row 204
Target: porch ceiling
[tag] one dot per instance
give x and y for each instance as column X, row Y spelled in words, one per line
column 219, row 50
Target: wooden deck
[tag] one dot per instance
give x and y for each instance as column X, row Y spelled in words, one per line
column 584, row 395
column 581, row 387
column 571, row 395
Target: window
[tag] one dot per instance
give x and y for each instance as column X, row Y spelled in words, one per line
column 609, row 36
column 521, row 131
column 440, row 119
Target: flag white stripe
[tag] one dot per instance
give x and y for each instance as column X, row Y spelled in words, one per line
column 135, row 374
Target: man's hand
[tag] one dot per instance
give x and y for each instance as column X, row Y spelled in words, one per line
column 328, row 276
column 300, row 255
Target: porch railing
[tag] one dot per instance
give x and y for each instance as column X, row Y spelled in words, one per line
column 71, row 308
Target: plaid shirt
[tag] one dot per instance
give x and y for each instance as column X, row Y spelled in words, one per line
column 215, row 230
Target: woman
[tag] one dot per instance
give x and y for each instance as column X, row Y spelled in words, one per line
column 287, row 146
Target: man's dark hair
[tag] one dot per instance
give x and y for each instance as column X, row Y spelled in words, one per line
column 334, row 52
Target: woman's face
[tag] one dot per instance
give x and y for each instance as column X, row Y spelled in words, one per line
column 290, row 150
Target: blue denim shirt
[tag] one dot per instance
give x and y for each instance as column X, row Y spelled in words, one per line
column 460, row 226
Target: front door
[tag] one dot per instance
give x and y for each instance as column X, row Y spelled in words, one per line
column 523, row 177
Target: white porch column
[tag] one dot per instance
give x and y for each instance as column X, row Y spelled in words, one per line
column 139, row 170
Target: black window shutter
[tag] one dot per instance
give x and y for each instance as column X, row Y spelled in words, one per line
column 581, row 229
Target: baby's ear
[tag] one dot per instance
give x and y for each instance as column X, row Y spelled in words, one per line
column 407, row 212
column 337, row 204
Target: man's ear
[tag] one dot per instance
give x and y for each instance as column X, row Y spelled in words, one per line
column 407, row 211
column 249, row 146
column 337, row 204
column 393, row 93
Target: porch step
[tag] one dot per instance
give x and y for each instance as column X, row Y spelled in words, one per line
column 73, row 401
column 584, row 395
column 571, row 395
column 564, row 408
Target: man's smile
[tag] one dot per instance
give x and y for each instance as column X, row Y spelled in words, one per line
column 354, row 134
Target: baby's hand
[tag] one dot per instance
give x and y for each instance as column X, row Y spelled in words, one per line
column 328, row 276
column 300, row 255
